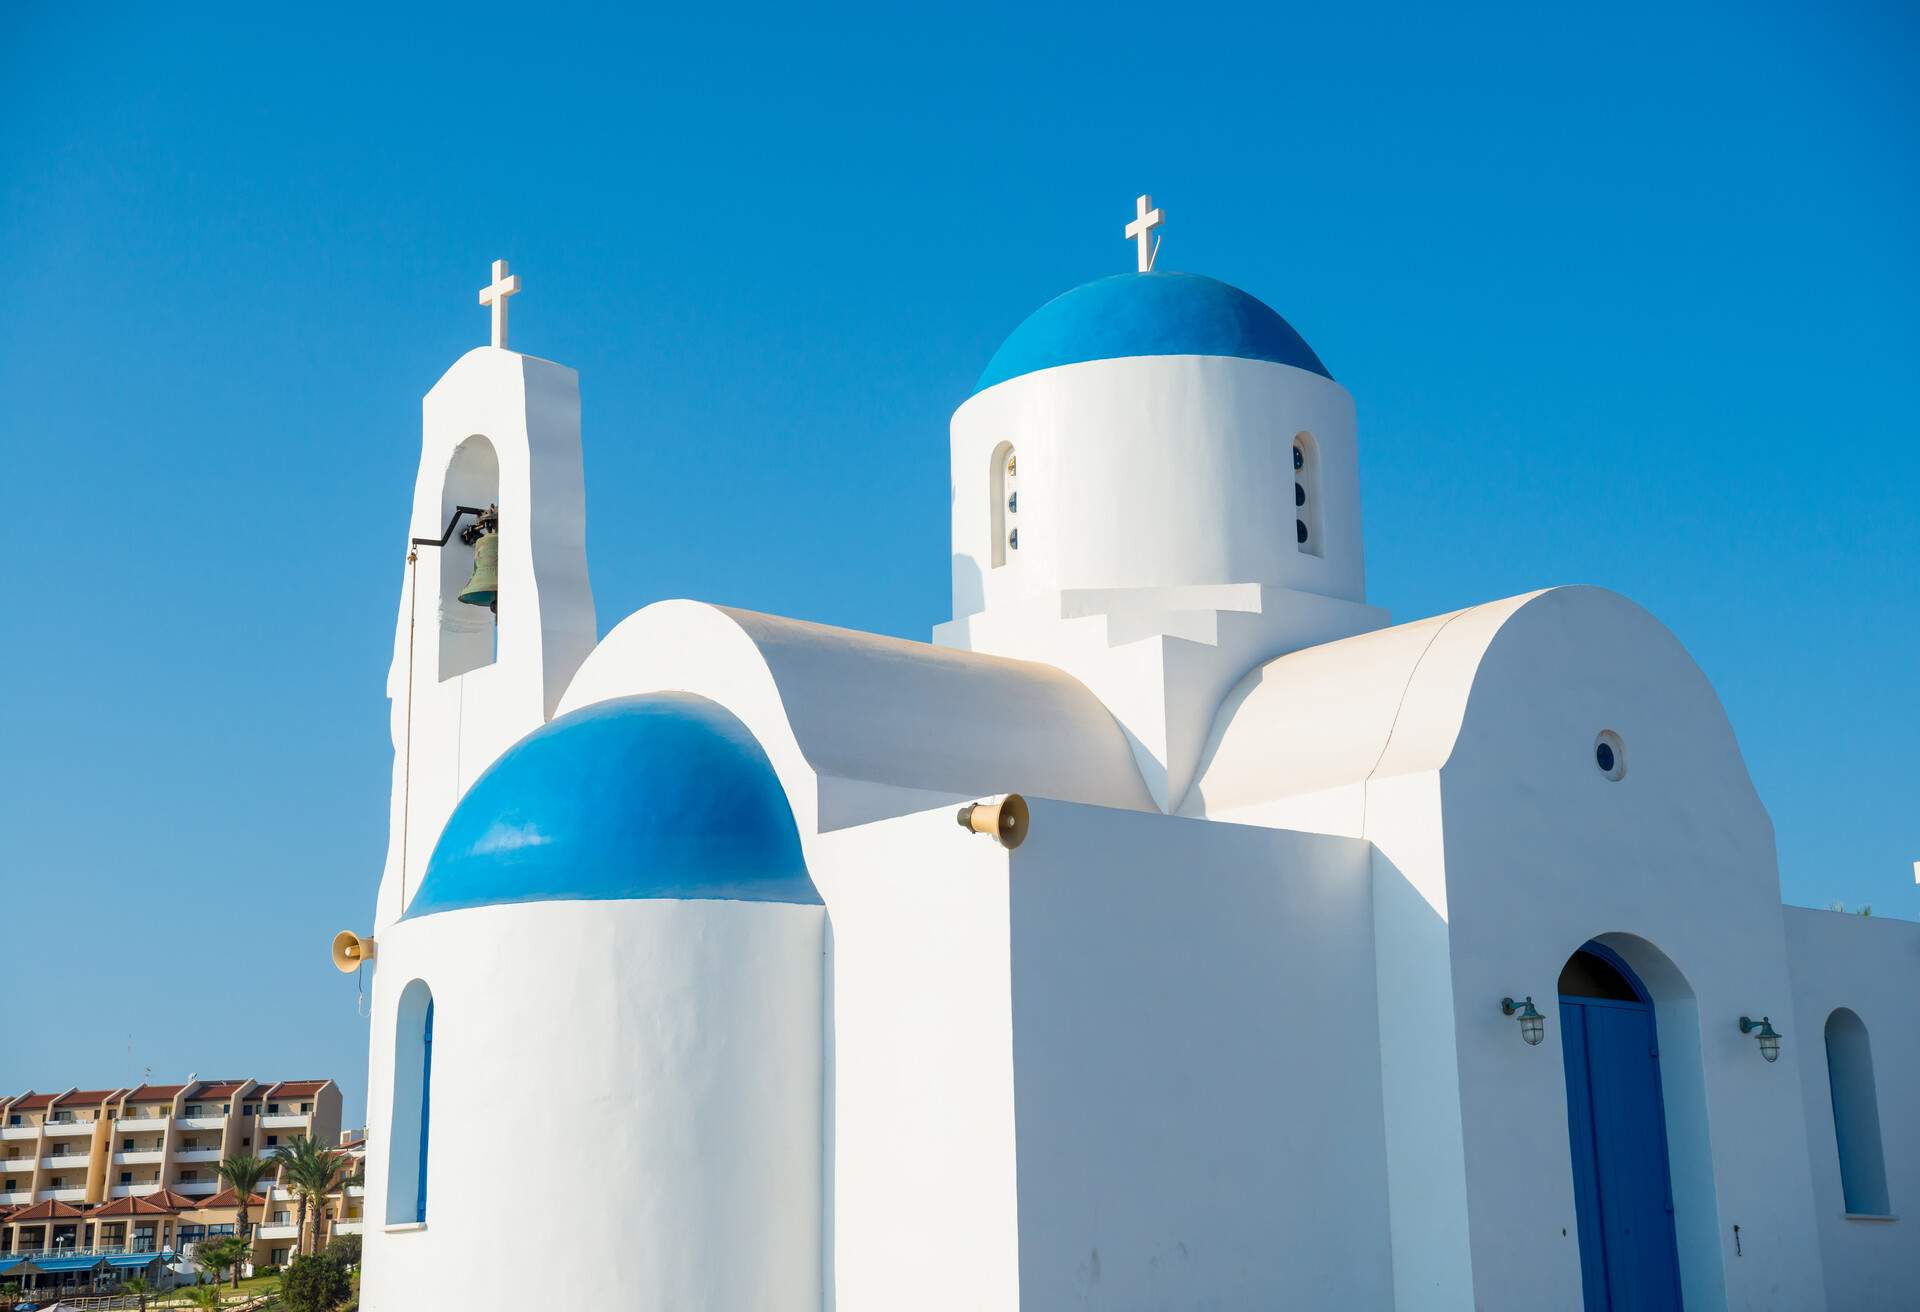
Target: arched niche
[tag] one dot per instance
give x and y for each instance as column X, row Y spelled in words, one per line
column 466, row 632
column 1856, row 1115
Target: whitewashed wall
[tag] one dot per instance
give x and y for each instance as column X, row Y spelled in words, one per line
column 921, row 1079
column 627, row 1101
column 1462, row 747
column 1674, row 865
column 1156, row 471
column 1872, row 967
column 1196, row 1067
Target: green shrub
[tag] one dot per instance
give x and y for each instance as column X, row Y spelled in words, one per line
column 344, row 1249
column 315, row 1283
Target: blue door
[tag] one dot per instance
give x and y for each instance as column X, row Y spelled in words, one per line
column 1616, row 1128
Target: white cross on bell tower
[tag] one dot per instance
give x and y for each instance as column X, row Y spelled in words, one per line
column 1146, row 219
column 495, row 295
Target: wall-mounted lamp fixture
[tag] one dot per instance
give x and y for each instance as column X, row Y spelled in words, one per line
column 1533, row 1026
column 1764, row 1031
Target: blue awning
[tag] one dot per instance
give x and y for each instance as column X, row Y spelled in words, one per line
column 53, row 1264
column 9, row 1263
column 134, row 1259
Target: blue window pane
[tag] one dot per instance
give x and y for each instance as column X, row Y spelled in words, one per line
column 426, row 1107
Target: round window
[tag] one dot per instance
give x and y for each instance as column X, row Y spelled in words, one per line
column 1610, row 754
column 1299, row 457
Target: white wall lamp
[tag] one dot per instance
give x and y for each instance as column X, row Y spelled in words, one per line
column 1764, row 1031
column 1533, row 1026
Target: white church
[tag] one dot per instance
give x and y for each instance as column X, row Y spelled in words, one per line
column 1173, row 931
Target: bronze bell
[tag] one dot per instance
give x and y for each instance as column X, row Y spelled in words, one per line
column 483, row 589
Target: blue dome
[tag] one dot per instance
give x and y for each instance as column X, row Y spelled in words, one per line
column 661, row 796
column 1148, row 314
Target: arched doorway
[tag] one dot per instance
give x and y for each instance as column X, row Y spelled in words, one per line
column 1617, row 1132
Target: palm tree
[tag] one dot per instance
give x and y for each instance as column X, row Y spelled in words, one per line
column 204, row 1296
column 207, row 1256
column 139, row 1287
column 227, row 1253
column 243, row 1173
column 312, row 1170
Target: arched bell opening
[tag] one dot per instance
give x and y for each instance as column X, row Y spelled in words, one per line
column 1637, row 1129
column 467, row 629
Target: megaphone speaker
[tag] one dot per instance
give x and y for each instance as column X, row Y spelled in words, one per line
column 1004, row 820
column 350, row 951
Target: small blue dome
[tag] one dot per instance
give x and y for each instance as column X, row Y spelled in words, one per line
column 1148, row 314
column 661, row 796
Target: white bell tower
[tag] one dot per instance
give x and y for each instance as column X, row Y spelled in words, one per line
column 499, row 429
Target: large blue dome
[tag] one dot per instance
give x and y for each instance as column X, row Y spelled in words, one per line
column 661, row 796
column 1148, row 314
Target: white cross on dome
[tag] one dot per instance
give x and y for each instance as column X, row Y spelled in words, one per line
column 1146, row 219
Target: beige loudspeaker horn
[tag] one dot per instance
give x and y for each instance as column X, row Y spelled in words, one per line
column 350, row 951
column 1004, row 819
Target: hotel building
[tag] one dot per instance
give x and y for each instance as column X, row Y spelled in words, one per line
column 92, row 1146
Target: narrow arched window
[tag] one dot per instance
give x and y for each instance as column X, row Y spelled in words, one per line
column 1856, row 1115
column 410, row 1125
column 1306, row 494
column 1003, row 486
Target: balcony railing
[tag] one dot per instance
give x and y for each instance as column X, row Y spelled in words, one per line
column 286, row 1121
column 144, row 1157
column 201, row 1122
column 353, row 1227
column 84, row 1252
column 197, row 1155
column 133, row 1190
column 64, row 1195
column 140, row 1124
column 19, row 1132
column 287, row 1230
column 69, row 1127
column 17, row 1196
column 64, row 1161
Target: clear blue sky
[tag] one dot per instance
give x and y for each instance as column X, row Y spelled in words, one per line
column 1625, row 298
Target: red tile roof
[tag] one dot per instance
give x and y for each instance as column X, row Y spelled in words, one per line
column 86, row 1095
column 31, row 1102
column 218, row 1088
column 297, row 1088
column 155, row 1093
column 137, row 1207
column 48, row 1211
column 228, row 1198
column 169, row 1198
